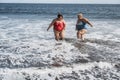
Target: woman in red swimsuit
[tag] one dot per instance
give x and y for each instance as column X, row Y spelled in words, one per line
column 58, row 27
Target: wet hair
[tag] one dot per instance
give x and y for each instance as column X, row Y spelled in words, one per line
column 80, row 13
column 59, row 15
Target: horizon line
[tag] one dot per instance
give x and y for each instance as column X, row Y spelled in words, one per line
column 57, row 3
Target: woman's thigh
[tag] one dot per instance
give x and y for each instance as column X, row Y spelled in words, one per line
column 56, row 33
column 62, row 33
column 83, row 31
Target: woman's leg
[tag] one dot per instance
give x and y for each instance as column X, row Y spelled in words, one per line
column 62, row 35
column 82, row 36
column 83, row 31
column 57, row 36
column 78, row 34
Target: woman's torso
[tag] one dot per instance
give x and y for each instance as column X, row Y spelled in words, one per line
column 81, row 22
column 59, row 25
column 81, row 25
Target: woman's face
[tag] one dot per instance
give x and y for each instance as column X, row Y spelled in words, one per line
column 80, row 16
column 60, row 18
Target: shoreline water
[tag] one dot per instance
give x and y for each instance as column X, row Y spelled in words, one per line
column 29, row 52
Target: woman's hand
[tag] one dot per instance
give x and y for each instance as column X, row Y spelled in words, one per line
column 47, row 29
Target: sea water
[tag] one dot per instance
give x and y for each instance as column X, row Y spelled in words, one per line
column 29, row 52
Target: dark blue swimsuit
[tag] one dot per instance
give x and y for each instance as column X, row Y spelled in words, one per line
column 81, row 25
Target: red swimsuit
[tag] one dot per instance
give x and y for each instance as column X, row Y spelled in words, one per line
column 59, row 26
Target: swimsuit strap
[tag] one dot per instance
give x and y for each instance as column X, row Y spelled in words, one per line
column 82, row 23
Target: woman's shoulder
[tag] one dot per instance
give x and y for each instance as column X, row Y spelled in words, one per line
column 54, row 20
column 85, row 19
column 63, row 20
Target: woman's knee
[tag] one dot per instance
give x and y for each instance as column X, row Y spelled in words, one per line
column 56, row 38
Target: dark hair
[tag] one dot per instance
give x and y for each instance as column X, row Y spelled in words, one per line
column 59, row 15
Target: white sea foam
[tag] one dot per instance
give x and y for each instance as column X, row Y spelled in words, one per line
column 28, row 51
column 33, row 73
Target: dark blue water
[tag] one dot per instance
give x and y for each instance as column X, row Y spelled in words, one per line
column 94, row 11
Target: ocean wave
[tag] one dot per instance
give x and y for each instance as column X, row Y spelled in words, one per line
column 91, row 11
column 29, row 52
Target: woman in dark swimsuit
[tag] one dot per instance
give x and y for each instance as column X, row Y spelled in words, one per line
column 81, row 26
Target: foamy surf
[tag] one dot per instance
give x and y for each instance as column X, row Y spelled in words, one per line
column 101, row 70
column 29, row 52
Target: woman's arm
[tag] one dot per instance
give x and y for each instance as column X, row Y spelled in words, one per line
column 77, row 22
column 64, row 24
column 87, row 21
column 51, row 24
